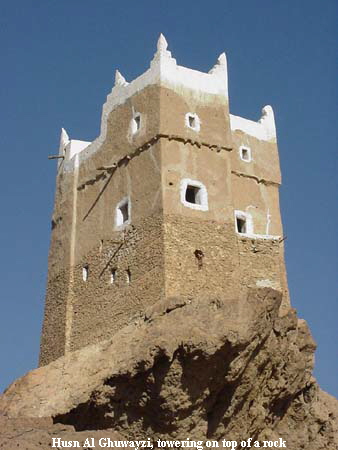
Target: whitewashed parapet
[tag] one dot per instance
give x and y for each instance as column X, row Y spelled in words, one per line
column 264, row 129
column 163, row 71
column 68, row 148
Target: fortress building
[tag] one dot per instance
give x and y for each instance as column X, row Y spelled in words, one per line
column 176, row 198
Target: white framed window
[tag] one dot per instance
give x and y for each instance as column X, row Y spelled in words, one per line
column 243, row 223
column 245, row 153
column 194, row 194
column 122, row 213
column 135, row 123
column 192, row 121
column 85, row 272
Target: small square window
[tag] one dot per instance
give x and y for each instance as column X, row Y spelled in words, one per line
column 192, row 121
column 245, row 154
column 192, row 195
column 241, row 225
column 122, row 215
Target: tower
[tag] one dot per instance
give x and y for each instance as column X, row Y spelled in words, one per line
column 176, row 198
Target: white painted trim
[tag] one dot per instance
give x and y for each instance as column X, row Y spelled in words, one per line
column 118, row 214
column 244, row 147
column 268, row 221
column 268, row 283
column 197, row 120
column 260, row 236
column 203, row 194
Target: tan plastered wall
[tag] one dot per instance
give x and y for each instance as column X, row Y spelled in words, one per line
column 158, row 246
column 259, row 200
column 230, row 264
column 100, row 307
column 85, row 312
column 255, row 187
column 265, row 160
column 52, row 344
column 212, row 110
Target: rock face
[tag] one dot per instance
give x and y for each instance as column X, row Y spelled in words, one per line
column 187, row 369
column 36, row 434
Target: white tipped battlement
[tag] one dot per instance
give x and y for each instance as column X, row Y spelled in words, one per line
column 221, row 65
column 120, row 80
column 264, row 129
column 163, row 71
column 64, row 140
column 68, row 148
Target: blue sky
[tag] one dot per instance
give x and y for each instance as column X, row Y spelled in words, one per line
column 58, row 64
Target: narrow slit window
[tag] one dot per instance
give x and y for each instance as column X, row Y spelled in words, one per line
column 85, row 273
column 128, row 276
column 136, row 123
column 113, row 274
column 122, row 215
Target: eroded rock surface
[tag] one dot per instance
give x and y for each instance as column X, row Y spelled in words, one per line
column 36, row 434
column 190, row 369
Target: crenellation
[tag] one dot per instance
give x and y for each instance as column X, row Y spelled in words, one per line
column 264, row 129
column 176, row 198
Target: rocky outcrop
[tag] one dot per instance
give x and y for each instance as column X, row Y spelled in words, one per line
column 38, row 434
column 189, row 369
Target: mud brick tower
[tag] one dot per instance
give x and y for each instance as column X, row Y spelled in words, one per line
column 176, row 198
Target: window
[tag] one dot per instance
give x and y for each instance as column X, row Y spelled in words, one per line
column 243, row 222
column 245, row 153
column 113, row 274
column 128, row 276
column 136, row 123
column 194, row 194
column 85, row 273
column 192, row 121
column 122, row 215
